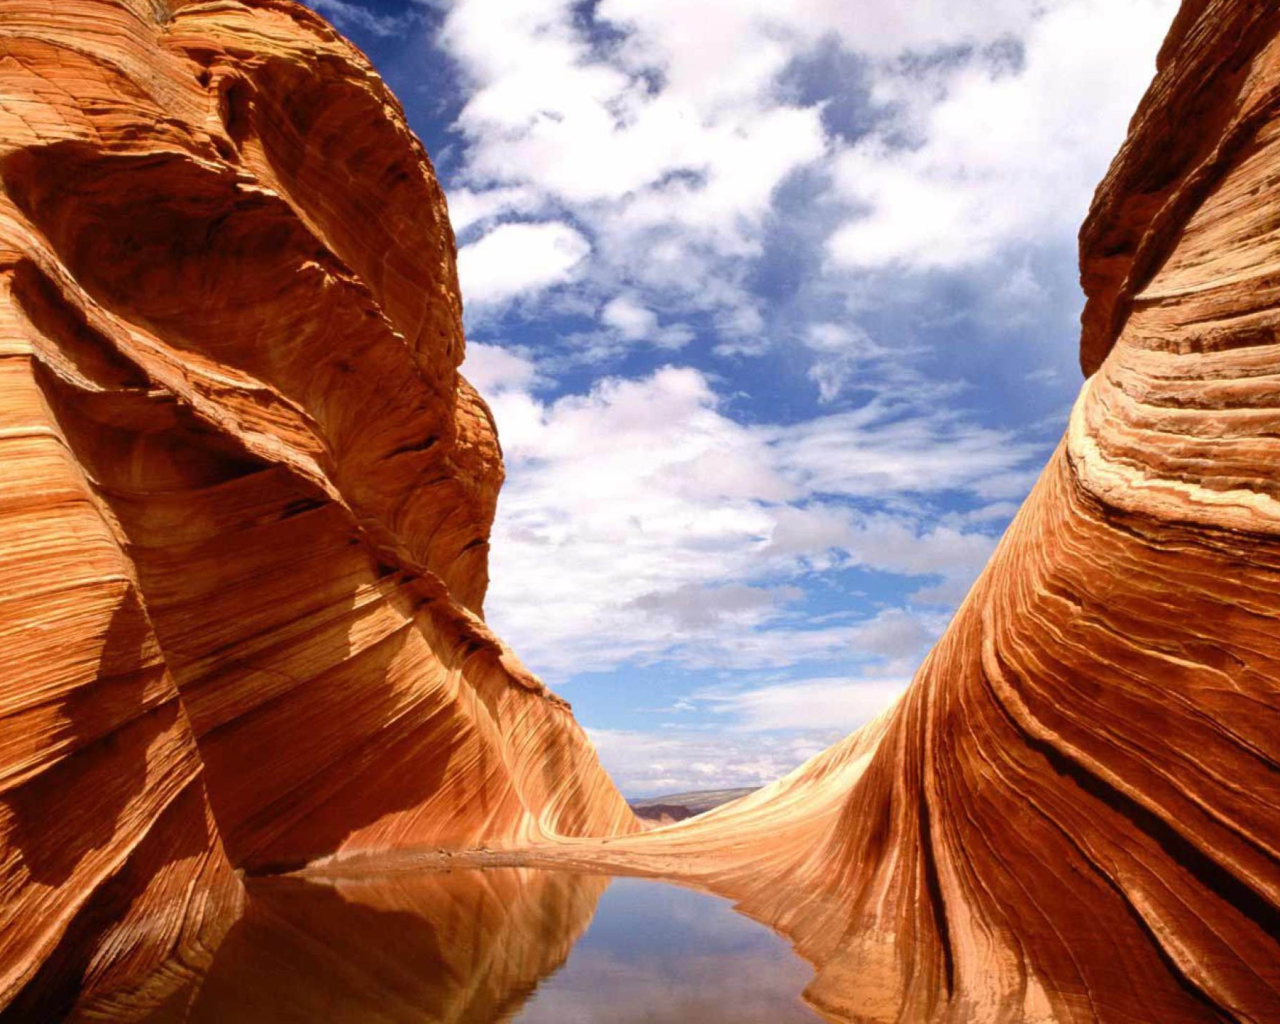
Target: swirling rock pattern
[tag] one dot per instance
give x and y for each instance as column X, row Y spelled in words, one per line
column 245, row 493
column 1074, row 812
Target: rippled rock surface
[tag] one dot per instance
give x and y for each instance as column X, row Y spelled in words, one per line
column 245, row 495
column 1074, row 812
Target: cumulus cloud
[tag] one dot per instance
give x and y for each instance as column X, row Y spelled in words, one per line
column 520, row 259
column 807, row 704
column 671, row 177
column 630, row 319
column 468, row 208
column 682, row 760
column 653, row 525
column 668, row 130
column 493, row 369
column 763, row 732
column 1009, row 154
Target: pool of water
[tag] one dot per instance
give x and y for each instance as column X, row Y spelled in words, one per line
column 482, row 946
column 660, row 953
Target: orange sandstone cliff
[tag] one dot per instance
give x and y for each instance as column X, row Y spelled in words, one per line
column 1073, row 814
column 245, row 495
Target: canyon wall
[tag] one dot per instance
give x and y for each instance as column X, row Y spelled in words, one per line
column 1074, row 812
column 245, row 493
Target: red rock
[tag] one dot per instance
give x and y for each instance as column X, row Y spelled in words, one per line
column 246, row 495
column 1074, row 812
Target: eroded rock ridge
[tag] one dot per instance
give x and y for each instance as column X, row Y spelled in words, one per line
column 245, row 496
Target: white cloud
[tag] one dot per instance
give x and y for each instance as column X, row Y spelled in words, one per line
column 881, row 541
column 730, row 46
column 682, row 760
column 763, row 733
column 492, row 369
column 630, row 319
column 845, row 354
column 1009, row 156
column 681, row 122
column 650, row 524
column 876, row 450
column 892, row 641
column 663, row 130
column 549, row 107
column 520, row 259
column 693, row 605
column 467, row 207
column 672, row 179
column 811, row 704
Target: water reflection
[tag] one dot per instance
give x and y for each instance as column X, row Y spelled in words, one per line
column 482, row 946
column 659, row 953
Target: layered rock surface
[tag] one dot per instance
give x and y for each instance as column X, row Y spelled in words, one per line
column 1074, row 812
column 245, row 495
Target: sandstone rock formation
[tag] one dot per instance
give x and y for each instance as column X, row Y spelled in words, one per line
column 1074, row 812
column 245, row 495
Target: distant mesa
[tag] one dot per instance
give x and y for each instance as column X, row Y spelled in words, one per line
column 245, row 500
column 666, row 810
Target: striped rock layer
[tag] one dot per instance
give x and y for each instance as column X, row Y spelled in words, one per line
column 245, row 496
column 1073, row 814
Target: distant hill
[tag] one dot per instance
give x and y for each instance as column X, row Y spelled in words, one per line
column 678, row 806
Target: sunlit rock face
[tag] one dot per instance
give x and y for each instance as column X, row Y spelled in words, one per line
column 1074, row 812
column 245, row 494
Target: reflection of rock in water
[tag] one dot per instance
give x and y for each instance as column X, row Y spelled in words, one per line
column 462, row 947
column 485, row 946
column 663, row 954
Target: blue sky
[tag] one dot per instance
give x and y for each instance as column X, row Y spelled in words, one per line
column 776, row 306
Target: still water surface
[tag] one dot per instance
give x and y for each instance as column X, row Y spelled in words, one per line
column 482, row 946
column 660, row 953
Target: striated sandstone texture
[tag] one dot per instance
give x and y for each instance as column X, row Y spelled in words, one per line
column 245, row 495
column 1074, row 812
